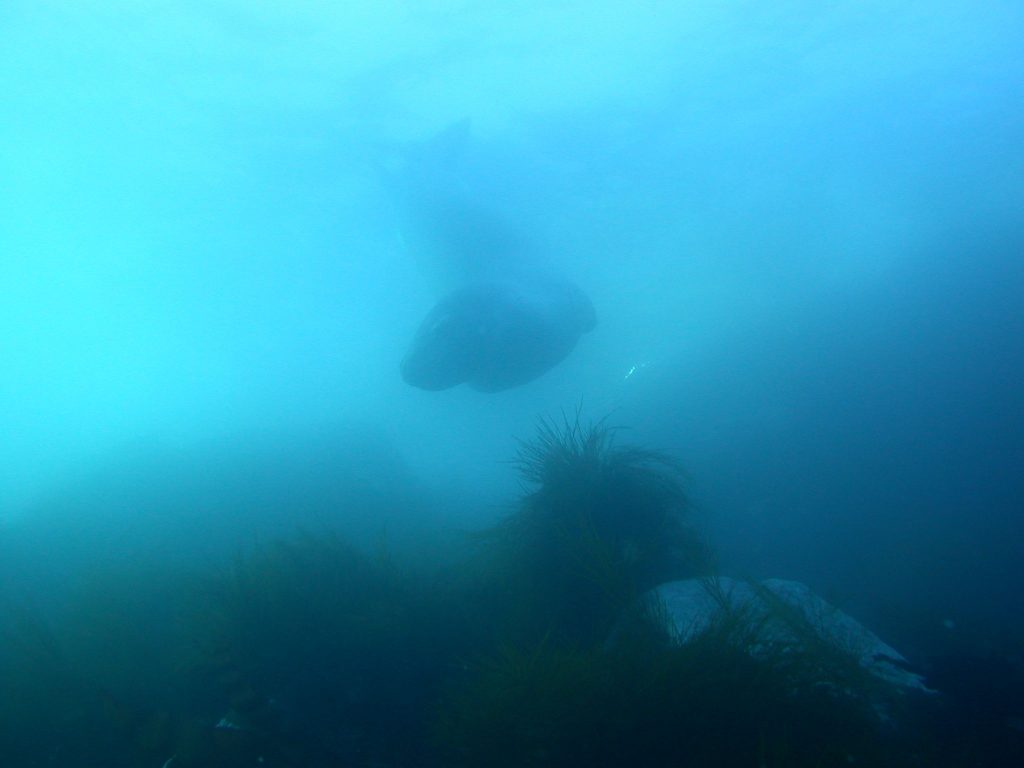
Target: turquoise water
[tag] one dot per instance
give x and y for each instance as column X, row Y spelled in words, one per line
column 222, row 223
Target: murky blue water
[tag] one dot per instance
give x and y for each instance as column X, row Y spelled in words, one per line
column 800, row 226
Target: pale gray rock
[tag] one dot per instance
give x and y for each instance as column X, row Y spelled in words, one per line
column 692, row 604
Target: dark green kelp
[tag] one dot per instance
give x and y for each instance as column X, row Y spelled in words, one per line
column 601, row 524
column 326, row 651
column 539, row 645
column 731, row 696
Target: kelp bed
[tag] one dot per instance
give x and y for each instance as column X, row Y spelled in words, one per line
column 534, row 649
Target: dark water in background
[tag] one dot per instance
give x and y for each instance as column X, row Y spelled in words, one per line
column 800, row 225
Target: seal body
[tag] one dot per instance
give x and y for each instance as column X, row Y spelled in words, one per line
column 498, row 334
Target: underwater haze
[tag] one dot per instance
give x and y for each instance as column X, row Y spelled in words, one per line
column 800, row 225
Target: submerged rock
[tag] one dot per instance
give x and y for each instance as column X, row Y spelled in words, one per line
column 784, row 612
